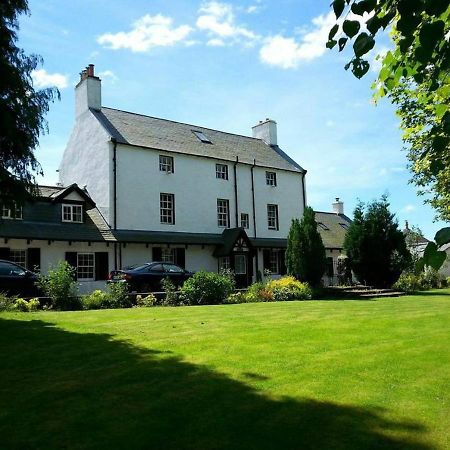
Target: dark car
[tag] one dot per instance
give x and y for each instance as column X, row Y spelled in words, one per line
column 16, row 280
column 147, row 277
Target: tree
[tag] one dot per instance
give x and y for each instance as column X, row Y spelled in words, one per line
column 22, row 109
column 305, row 254
column 416, row 77
column 375, row 246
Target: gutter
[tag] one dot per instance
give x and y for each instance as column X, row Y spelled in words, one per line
column 114, row 142
column 236, row 191
column 254, row 218
column 304, row 190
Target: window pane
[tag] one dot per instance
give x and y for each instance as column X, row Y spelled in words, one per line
column 167, row 209
column 85, row 266
column 18, row 257
column 244, row 220
column 222, row 171
column 272, row 217
column 168, row 255
column 240, row 266
column 271, row 178
column 274, row 262
column 165, row 163
column 222, row 213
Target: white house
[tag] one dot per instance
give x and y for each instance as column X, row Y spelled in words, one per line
column 203, row 198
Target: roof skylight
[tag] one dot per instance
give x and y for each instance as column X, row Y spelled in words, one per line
column 202, row 137
column 322, row 226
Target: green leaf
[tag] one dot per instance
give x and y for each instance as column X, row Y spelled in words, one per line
column 405, row 43
column 338, row 7
column 442, row 236
column 357, row 9
column 373, row 24
column 436, row 7
column 363, row 44
column 351, row 27
column 333, row 32
column 342, row 41
column 432, row 257
column 408, row 24
column 360, row 67
column 331, row 44
column 430, row 34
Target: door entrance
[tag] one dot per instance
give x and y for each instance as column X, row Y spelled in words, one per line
column 241, row 269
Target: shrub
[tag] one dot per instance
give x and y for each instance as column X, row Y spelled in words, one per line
column 258, row 292
column 408, row 282
column 170, row 298
column 60, row 286
column 117, row 296
column 96, row 300
column 430, row 278
column 288, row 288
column 147, row 301
column 236, row 297
column 22, row 305
column 206, row 288
column 6, row 302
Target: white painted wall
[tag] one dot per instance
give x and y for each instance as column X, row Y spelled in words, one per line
column 87, row 159
column 196, row 190
column 52, row 254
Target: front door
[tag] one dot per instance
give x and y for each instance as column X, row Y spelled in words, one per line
column 241, row 269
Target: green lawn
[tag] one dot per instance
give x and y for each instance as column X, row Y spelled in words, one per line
column 298, row 375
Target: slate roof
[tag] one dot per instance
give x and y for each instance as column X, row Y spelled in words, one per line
column 167, row 135
column 42, row 220
column 335, row 235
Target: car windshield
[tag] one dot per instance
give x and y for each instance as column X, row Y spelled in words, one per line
column 172, row 268
column 11, row 269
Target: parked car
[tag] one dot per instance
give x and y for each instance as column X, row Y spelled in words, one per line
column 16, row 280
column 147, row 277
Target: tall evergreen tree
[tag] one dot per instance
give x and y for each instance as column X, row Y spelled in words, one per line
column 305, row 254
column 22, row 109
column 375, row 246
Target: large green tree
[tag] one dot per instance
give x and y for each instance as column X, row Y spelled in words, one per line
column 305, row 254
column 22, row 109
column 415, row 75
column 375, row 246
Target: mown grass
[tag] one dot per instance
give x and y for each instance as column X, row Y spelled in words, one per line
column 297, row 375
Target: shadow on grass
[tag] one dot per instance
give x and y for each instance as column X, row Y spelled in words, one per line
column 65, row 390
column 432, row 293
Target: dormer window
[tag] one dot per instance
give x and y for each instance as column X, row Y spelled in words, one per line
column 15, row 213
column 344, row 226
column 271, row 178
column 322, row 226
column 165, row 164
column 72, row 213
column 202, row 137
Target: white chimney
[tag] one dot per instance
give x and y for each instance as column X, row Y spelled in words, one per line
column 88, row 92
column 338, row 206
column 267, row 131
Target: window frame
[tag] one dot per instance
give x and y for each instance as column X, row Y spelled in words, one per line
column 273, row 217
column 167, row 211
column 271, row 178
column 322, row 226
column 72, row 213
column 221, row 174
column 166, row 164
column 224, row 263
column 22, row 260
column 274, row 261
column 84, row 266
column 245, row 223
column 165, row 254
column 201, row 136
column 223, row 214
column 14, row 213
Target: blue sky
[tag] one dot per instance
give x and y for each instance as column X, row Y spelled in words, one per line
column 227, row 65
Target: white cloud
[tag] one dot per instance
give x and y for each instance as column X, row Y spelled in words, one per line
column 108, row 74
column 216, row 42
column 408, row 208
column 218, row 20
column 43, row 79
column 147, row 32
column 288, row 53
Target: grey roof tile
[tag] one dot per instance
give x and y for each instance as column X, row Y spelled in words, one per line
column 335, row 235
column 167, row 135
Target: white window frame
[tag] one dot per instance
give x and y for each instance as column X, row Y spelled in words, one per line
column 245, row 220
column 87, row 268
column 168, row 255
column 223, row 213
column 15, row 213
column 165, row 163
column 274, row 262
column 167, row 208
column 273, row 217
column 222, row 171
column 224, row 263
column 18, row 257
column 271, row 178
column 70, row 217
